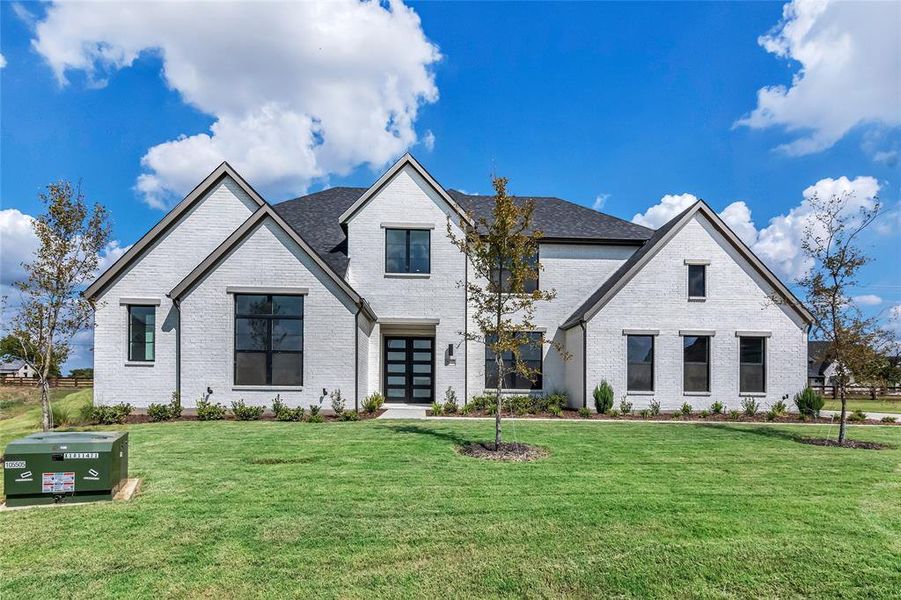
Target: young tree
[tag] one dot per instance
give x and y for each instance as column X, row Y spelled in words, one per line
column 51, row 310
column 503, row 251
column 831, row 242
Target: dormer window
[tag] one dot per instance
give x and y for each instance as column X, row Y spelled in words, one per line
column 697, row 279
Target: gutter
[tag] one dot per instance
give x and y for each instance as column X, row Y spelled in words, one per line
column 584, row 363
column 357, row 356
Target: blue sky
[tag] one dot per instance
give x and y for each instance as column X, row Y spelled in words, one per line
column 626, row 103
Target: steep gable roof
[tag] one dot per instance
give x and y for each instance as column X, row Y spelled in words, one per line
column 405, row 160
column 634, row 264
column 167, row 222
column 246, row 228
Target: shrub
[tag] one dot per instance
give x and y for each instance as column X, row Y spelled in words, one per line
column 373, row 402
column 809, row 402
column 603, row 397
column 716, row 408
column 209, row 411
column 644, row 413
column 779, row 408
column 625, row 406
column 110, row 415
column 613, row 413
column 481, row 402
column 337, row 402
column 315, row 414
column 166, row 412
column 244, row 412
column 771, row 415
column 350, row 415
column 467, row 409
column 285, row 413
column 734, row 415
column 857, row 415
column 750, row 406
column 686, row 409
column 555, row 410
column 889, row 419
column 59, row 416
column 519, row 405
column 450, row 401
column 584, row 412
column 705, row 413
column 654, row 407
column 558, row 399
column 437, row 409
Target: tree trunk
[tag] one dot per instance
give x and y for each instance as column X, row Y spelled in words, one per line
column 841, row 425
column 45, row 405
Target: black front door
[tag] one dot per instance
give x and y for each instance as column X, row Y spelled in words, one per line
column 409, row 369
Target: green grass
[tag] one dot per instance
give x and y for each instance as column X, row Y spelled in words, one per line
column 387, row 509
column 880, row 405
column 21, row 410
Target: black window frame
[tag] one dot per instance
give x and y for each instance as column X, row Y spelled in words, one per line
column 130, row 334
column 269, row 318
column 517, row 380
column 407, row 257
column 703, row 269
column 742, row 365
column 630, row 362
column 685, row 363
column 529, row 285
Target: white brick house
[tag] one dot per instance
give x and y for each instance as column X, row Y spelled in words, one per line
column 357, row 289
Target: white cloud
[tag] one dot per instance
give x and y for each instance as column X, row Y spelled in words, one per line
column 299, row 91
column 779, row 243
column 849, row 56
column 2, row 61
column 428, row 140
column 866, row 300
column 599, row 202
column 17, row 244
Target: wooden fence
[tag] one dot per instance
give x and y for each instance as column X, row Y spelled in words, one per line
column 857, row 391
column 63, row 382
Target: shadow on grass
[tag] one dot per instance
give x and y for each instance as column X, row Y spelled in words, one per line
column 428, row 431
column 767, row 432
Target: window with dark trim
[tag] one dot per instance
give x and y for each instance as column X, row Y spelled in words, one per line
column 506, row 280
column 141, row 334
column 640, row 363
column 752, row 364
column 530, row 354
column 697, row 281
column 268, row 340
column 407, row 251
column 696, row 363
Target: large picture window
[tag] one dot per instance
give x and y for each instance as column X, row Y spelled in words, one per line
column 141, row 335
column 407, row 251
column 752, row 364
column 268, row 340
column 640, row 363
column 696, row 363
column 530, row 354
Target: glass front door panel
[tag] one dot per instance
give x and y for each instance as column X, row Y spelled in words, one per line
column 409, row 365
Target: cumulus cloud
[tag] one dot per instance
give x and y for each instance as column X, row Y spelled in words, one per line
column 848, row 56
column 599, row 202
column 299, row 91
column 866, row 300
column 779, row 242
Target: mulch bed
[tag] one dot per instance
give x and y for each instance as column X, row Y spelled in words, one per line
column 137, row 419
column 571, row 414
column 508, row 451
column 856, row 444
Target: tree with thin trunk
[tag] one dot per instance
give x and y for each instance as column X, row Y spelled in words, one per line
column 831, row 243
column 51, row 309
column 503, row 253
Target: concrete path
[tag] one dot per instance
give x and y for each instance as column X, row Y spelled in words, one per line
column 403, row 411
column 870, row 415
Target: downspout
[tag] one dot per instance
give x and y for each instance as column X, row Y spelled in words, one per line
column 465, row 328
column 357, row 356
column 584, row 363
column 177, row 305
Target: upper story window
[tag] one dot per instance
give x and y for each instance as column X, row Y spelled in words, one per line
column 505, row 279
column 268, row 340
column 752, row 364
column 530, row 354
column 697, row 281
column 640, row 363
column 141, row 338
column 696, row 363
column 407, row 251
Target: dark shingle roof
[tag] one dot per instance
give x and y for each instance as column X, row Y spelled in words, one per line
column 818, row 357
column 599, row 293
column 316, row 218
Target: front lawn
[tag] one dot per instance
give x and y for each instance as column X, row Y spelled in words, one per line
column 387, row 509
column 886, row 404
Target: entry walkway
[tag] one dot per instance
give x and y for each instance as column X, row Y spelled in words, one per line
column 403, row 411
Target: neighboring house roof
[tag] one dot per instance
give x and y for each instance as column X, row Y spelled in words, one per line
column 219, row 173
column 658, row 240
column 246, row 228
column 11, row 366
column 818, row 358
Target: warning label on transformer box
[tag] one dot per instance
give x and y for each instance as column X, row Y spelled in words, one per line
column 58, row 482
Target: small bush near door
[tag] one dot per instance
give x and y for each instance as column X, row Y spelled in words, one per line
column 373, row 402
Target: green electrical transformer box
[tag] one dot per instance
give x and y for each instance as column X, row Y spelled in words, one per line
column 48, row 468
